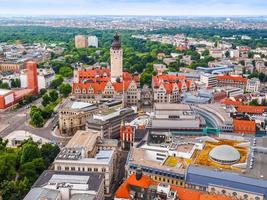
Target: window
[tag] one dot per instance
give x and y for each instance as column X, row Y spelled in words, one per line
column 95, row 169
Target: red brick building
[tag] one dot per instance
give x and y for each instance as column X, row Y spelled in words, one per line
column 126, row 136
column 32, row 76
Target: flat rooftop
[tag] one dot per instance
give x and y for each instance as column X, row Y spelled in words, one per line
column 4, row 91
column 86, row 139
column 259, row 166
column 160, row 106
column 141, row 157
column 79, row 105
column 92, row 179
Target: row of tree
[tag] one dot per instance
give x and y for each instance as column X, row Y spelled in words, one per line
column 20, row 167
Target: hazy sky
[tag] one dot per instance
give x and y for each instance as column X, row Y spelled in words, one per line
column 134, row 7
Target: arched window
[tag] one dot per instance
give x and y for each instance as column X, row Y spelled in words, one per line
column 234, row 194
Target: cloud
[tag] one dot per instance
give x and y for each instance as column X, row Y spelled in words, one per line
column 134, row 7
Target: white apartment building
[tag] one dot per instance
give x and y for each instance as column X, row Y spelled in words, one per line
column 93, row 41
column 209, row 80
column 253, row 85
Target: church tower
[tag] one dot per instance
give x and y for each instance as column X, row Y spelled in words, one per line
column 116, row 59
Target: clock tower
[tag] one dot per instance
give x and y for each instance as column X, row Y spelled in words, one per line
column 116, row 59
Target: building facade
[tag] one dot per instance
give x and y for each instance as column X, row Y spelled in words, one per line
column 81, row 41
column 168, row 88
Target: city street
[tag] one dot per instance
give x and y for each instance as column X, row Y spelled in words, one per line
column 17, row 120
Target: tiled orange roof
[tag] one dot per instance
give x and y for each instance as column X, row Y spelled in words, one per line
column 231, row 102
column 120, row 86
column 144, row 182
column 166, row 78
column 214, row 197
column 244, row 126
column 183, row 193
column 186, row 194
column 94, row 72
column 251, row 109
column 123, row 191
column 233, row 78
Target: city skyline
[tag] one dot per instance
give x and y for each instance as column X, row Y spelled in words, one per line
column 134, row 7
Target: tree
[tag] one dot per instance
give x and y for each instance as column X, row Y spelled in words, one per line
column 7, row 167
column 47, row 112
column 146, row 78
column 254, row 102
column 66, row 71
column 29, row 152
column 46, row 100
column 13, row 190
column 3, row 144
column 206, row 52
column 250, row 54
column 57, row 82
column 43, row 91
column 242, row 62
column 15, row 83
column 227, row 54
column 65, row 89
column 53, row 95
column 49, row 152
column 32, row 169
column 29, row 98
column 37, row 119
column 4, row 86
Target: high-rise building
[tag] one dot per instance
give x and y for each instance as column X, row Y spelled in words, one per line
column 93, row 41
column 116, row 59
column 32, row 76
column 81, row 41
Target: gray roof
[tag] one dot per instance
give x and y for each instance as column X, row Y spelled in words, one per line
column 82, row 197
column 94, row 181
column 39, row 193
column 224, row 176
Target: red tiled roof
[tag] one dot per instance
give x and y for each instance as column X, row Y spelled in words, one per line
column 214, row 197
column 183, row 193
column 144, row 182
column 231, row 102
column 186, row 194
column 251, row 109
column 244, row 126
column 94, row 72
column 233, row 78
column 166, row 78
column 123, row 191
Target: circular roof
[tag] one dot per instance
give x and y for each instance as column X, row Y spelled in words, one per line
column 224, row 153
